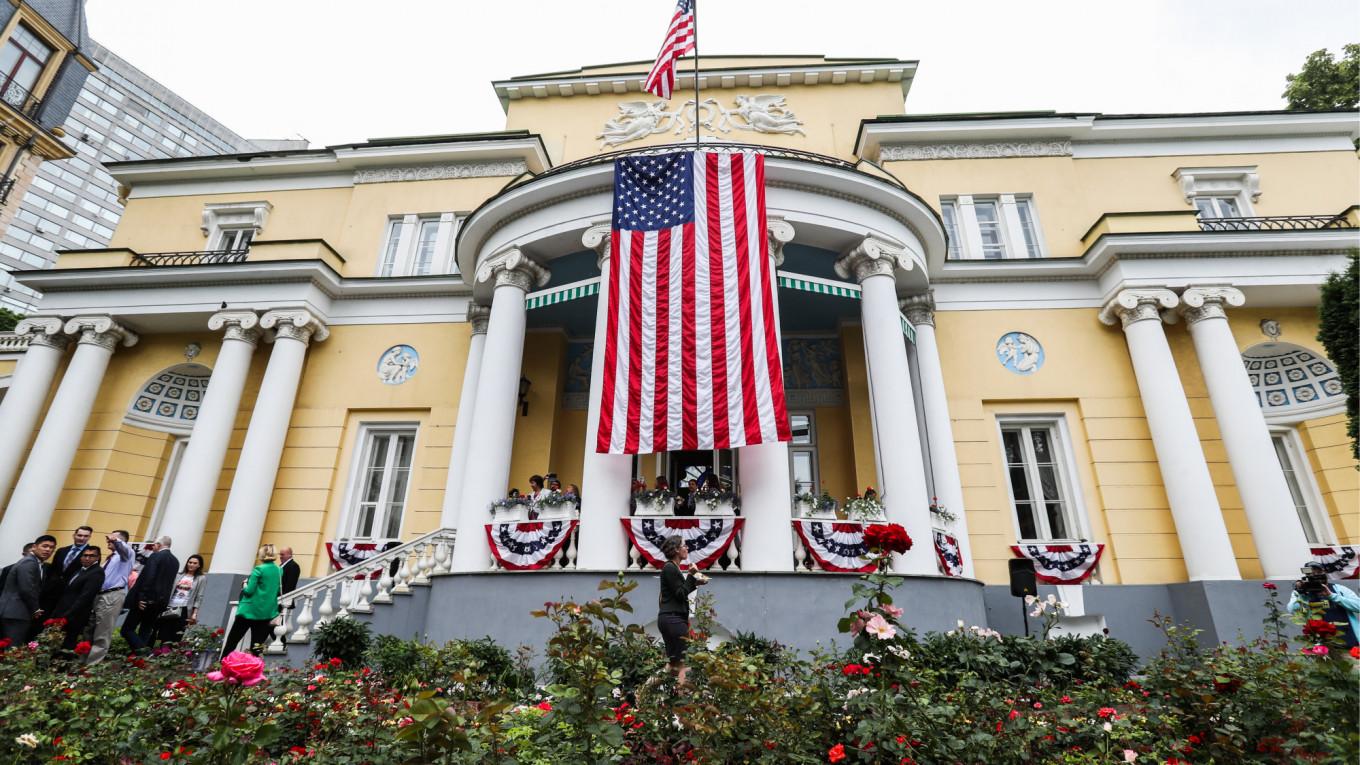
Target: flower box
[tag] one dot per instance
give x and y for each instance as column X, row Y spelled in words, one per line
column 655, row 506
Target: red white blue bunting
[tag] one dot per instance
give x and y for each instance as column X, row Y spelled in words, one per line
column 947, row 554
column 344, row 554
column 528, row 545
column 836, row 545
column 706, row 538
column 1061, row 564
column 1339, row 562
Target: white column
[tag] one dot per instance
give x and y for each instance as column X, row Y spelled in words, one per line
column 35, row 497
column 920, row 311
column 1275, row 528
column 1203, row 536
column 766, row 491
column 902, row 479
column 477, row 315
column 191, row 496
column 493, row 422
column 605, row 478
column 20, row 407
column 252, row 486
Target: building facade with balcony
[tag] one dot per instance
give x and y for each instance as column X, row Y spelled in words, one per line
column 45, row 58
column 1029, row 332
column 121, row 114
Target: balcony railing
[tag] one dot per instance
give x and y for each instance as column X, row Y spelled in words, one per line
column 1275, row 223
column 6, row 186
column 19, row 98
column 196, row 258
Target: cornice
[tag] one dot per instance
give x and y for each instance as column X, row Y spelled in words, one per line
column 508, row 168
column 997, row 150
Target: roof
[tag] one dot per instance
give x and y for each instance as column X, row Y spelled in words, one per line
column 68, row 16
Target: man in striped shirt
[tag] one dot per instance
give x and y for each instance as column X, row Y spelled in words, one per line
column 109, row 602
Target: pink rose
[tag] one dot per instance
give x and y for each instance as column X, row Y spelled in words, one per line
column 238, row 667
column 879, row 628
column 892, row 611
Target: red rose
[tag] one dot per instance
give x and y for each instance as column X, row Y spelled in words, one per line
column 1268, row 585
column 546, row 706
column 335, row 661
column 166, row 755
column 836, row 753
column 1318, row 628
column 887, row 537
column 82, row 648
column 1355, row 652
column 1104, row 712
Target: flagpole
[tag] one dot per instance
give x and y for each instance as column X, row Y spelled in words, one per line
column 697, row 126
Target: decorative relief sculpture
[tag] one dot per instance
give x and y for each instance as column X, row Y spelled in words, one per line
column 764, row 113
column 441, row 172
column 1020, row 353
column 901, row 151
column 398, row 364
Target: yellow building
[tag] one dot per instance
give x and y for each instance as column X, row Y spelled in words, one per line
column 1040, row 319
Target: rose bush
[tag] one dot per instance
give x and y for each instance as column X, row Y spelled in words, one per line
column 887, row 695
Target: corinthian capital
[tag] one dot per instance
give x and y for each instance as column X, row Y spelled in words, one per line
column 295, row 324
column 1134, row 305
column 479, row 316
column 919, row 309
column 102, row 331
column 238, row 325
column 43, row 330
column 513, row 268
column 1209, row 302
column 872, row 257
column 778, row 232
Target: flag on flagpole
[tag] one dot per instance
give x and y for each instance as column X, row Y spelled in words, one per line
column 691, row 351
column 679, row 41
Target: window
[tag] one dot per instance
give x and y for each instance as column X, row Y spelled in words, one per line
column 1220, row 192
column 417, row 245
column 1298, row 476
column 803, row 453
column 381, row 481
column 1037, row 473
column 229, row 226
column 233, row 239
column 1217, row 207
column 992, row 227
column 21, row 62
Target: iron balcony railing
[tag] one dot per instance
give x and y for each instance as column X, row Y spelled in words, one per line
column 197, row 258
column 1275, row 223
column 19, row 98
column 6, row 186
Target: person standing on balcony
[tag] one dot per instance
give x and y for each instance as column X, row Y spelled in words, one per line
column 258, row 606
column 672, row 618
column 289, row 570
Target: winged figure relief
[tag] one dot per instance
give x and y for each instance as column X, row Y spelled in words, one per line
column 765, row 114
column 635, row 120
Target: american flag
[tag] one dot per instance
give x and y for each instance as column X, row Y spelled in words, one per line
column 679, row 41
column 691, row 353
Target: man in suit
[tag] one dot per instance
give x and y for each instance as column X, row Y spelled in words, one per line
column 149, row 596
column 291, row 571
column 4, row 572
column 19, row 604
column 64, row 562
column 77, row 598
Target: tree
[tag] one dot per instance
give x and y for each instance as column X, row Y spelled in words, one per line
column 1338, row 317
column 1325, row 84
column 8, row 319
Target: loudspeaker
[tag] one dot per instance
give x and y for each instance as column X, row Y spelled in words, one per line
column 1022, row 578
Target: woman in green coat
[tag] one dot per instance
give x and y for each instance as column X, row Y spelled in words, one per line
column 259, row 605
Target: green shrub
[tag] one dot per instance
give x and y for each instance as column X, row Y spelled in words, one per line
column 346, row 639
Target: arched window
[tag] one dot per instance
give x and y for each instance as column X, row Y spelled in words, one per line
column 169, row 401
column 1291, row 382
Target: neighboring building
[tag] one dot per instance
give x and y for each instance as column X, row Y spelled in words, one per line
column 74, row 204
column 45, row 58
column 1079, row 294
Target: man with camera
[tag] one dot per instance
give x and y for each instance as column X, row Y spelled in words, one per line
column 1327, row 602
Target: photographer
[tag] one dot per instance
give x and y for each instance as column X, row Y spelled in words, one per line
column 1327, row 601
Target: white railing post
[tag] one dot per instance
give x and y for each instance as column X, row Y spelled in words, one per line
column 304, row 620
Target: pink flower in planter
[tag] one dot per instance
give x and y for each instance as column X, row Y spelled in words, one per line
column 238, row 667
column 879, row 628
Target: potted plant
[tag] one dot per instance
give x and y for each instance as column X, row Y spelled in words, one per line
column 944, row 514
column 510, row 509
column 864, row 508
column 654, row 502
column 715, row 502
column 555, row 504
column 809, row 505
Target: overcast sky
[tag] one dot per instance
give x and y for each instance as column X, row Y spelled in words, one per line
column 336, row 71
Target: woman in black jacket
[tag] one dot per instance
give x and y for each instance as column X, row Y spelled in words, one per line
column 672, row 617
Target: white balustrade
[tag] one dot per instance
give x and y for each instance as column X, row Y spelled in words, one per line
column 326, row 611
column 303, row 633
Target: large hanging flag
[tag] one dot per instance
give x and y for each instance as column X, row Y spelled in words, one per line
column 691, row 353
column 680, row 39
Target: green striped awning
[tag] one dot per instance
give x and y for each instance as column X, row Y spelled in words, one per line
column 908, row 329
column 817, row 285
column 555, row 295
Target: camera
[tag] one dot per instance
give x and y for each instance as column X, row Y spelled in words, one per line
column 1314, row 582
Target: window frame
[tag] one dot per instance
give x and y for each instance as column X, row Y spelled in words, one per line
column 1302, row 468
column 810, row 448
column 402, row 239
column 26, row 55
column 1012, row 209
column 364, row 442
column 1064, row 461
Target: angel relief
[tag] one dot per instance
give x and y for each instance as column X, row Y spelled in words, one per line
column 764, row 113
